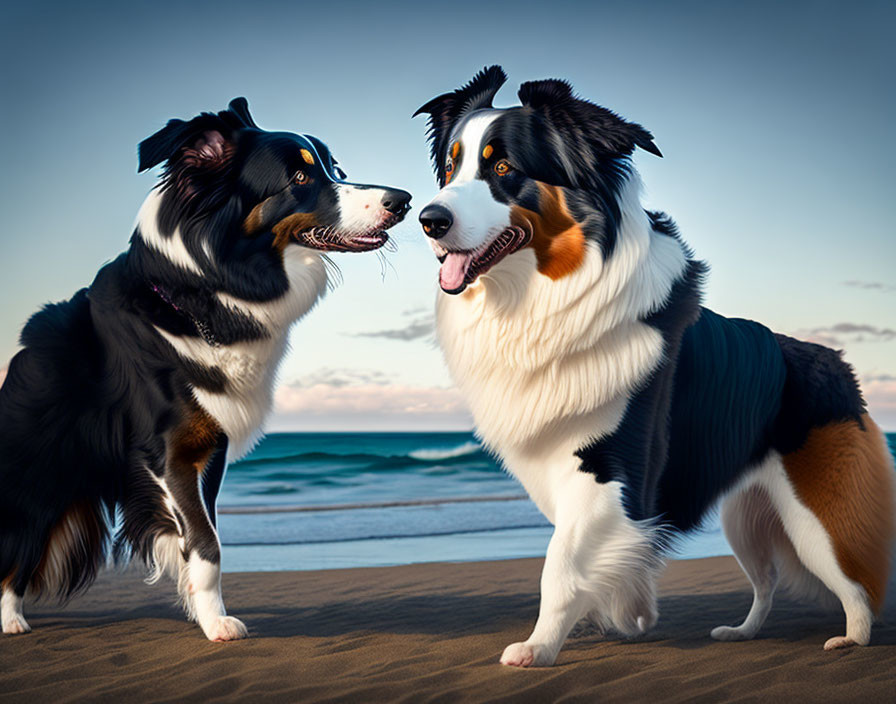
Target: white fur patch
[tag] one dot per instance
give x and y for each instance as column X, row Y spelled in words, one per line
column 547, row 366
column 12, row 618
column 251, row 367
column 599, row 564
column 360, row 209
column 546, row 363
column 207, row 604
column 478, row 217
column 471, row 144
column 173, row 247
column 813, row 548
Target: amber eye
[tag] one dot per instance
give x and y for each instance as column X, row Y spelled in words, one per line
column 503, row 167
column 301, row 178
column 449, row 169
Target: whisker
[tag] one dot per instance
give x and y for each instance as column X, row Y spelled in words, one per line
column 334, row 273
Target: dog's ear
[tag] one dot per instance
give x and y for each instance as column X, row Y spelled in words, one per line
column 605, row 131
column 240, row 108
column 205, row 139
column 446, row 109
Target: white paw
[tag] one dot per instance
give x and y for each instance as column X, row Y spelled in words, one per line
column 15, row 624
column 226, row 628
column 729, row 633
column 648, row 621
column 525, row 655
column 839, row 642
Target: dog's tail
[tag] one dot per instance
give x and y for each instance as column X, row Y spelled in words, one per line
column 60, row 560
column 838, row 462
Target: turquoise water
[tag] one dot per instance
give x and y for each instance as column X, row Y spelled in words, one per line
column 304, row 501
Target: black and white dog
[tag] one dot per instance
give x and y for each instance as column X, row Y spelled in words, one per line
column 130, row 397
column 571, row 320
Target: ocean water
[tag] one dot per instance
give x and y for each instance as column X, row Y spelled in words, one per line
column 307, row 501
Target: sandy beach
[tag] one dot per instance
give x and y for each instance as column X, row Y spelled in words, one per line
column 431, row 632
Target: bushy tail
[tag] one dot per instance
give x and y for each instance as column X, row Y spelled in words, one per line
column 60, row 561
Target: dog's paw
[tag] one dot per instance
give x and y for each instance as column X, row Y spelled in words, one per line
column 647, row 621
column 226, row 628
column 15, row 624
column 525, row 655
column 839, row 642
column 729, row 633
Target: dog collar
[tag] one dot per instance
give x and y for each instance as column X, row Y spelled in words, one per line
column 202, row 328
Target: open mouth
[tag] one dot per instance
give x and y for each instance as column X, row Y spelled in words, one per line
column 461, row 268
column 331, row 239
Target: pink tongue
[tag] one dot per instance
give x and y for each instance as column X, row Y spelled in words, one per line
column 454, row 269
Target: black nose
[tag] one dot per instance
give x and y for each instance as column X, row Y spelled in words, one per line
column 396, row 201
column 436, row 220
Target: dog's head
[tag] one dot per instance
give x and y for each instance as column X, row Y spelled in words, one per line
column 241, row 196
column 544, row 175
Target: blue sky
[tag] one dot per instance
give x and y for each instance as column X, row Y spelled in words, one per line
column 775, row 120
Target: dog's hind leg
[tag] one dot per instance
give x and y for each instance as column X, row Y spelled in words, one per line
column 11, row 613
column 753, row 529
column 599, row 562
column 835, row 499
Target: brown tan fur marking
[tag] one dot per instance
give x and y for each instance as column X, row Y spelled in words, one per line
column 254, row 220
column 292, row 225
column 557, row 239
column 194, row 440
column 844, row 475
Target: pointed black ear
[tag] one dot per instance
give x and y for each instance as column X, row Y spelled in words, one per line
column 551, row 91
column 446, row 109
column 240, row 108
column 606, row 132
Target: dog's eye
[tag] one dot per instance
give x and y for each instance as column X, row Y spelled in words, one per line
column 301, row 178
column 503, row 167
column 449, row 169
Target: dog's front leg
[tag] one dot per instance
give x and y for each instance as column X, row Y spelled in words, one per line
column 563, row 602
column 599, row 562
column 200, row 580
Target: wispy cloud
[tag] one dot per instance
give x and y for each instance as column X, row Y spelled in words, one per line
column 841, row 333
column 352, row 399
column 871, row 285
column 420, row 326
column 879, row 390
column 340, row 378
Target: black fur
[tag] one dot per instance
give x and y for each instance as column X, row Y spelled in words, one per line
column 446, row 109
column 98, row 406
column 554, row 137
column 727, row 391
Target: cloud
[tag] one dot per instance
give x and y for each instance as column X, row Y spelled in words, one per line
column 871, row 285
column 879, row 391
column 839, row 334
column 340, row 378
column 419, row 327
column 335, row 399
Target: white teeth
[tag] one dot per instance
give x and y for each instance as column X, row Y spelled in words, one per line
column 440, row 251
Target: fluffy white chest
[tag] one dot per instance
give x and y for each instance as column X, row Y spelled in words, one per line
column 251, row 367
column 547, row 365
